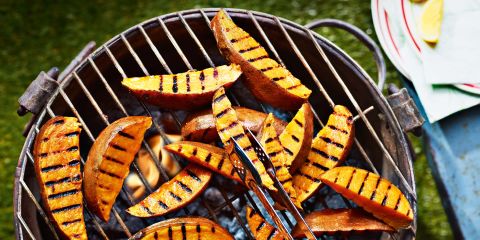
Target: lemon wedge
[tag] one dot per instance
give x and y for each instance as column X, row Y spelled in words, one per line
column 431, row 21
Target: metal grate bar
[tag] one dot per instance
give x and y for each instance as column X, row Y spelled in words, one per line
column 154, row 49
column 219, row 207
column 356, row 117
column 75, row 112
column 35, row 202
column 174, row 42
column 24, row 225
column 95, row 222
column 194, row 37
column 18, row 204
column 235, row 213
column 265, row 38
column 252, row 202
column 107, row 86
column 211, row 213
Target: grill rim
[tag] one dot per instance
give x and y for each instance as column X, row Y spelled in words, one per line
column 292, row 26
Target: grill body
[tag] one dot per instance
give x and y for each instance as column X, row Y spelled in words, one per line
column 183, row 41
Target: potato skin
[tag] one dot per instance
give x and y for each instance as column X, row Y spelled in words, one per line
column 378, row 195
column 136, row 126
column 262, row 87
column 200, row 126
column 341, row 220
column 208, row 229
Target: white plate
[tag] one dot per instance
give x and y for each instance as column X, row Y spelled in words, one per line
column 394, row 22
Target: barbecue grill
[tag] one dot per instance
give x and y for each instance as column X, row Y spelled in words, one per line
column 90, row 90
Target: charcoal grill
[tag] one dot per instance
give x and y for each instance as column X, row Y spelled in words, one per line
column 90, row 90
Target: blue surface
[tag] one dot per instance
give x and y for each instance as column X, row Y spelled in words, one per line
column 453, row 152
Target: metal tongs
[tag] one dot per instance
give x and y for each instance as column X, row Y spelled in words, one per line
column 250, row 176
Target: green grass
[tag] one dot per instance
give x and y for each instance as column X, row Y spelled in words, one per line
column 36, row 35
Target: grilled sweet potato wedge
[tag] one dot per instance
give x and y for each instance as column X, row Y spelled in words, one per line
column 184, row 228
column 372, row 192
column 109, row 161
column 57, row 167
column 183, row 91
column 269, row 81
column 200, row 126
column 296, row 139
column 260, row 228
column 228, row 126
column 341, row 220
column 174, row 194
column 269, row 140
column 329, row 149
column 206, row 155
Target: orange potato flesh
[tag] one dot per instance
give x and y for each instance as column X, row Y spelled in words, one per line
column 373, row 193
column 57, row 167
column 340, row 220
column 329, row 149
column 269, row 140
column 184, row 228
column 200, row 126
column 206, row 155
column 183, row 91
column 296, row 139
column 260, row 228
column 174, row 194
column 109, row 161
column 269, row 81
column 228, row 126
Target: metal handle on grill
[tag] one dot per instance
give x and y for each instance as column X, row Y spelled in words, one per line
column 362, row 37
column 41, row 89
